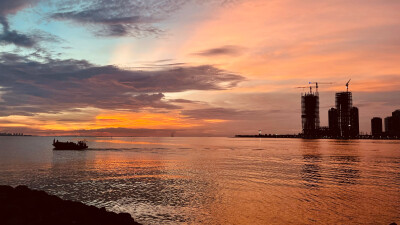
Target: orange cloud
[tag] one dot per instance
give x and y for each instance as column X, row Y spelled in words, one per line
column 87, row 120
column 317, row 40
column 142, row 120
column 109, row 119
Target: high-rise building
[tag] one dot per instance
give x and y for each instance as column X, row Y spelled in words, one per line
column 333, row 122
column 343, row 106
column 310, row 113
column 396, row 122
column 348, row 119
column 354, row 122
column 343, row 119
column 392, row 124
column 389, row 128
column 376, row 126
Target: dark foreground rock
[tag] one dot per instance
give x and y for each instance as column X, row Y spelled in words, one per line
column 23, row 206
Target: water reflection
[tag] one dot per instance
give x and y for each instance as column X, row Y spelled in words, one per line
column 219, row 180
column 147, row 186
column 344, row 163
column 341, row 166
column 119, row 141
column 346, row 171
column 311, row 169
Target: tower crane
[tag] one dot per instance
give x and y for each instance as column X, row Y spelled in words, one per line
column 306, row 87
column 347, row 85
column 316, row 84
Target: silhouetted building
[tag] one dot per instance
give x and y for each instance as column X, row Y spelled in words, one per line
column 343, row 106
column 333, row 122
column 324, row 132
column 310, row 113
column 376, row 126
column 392, row 125
column 354, row 122
column 389, row 126
column 343, row 119
column 396, row 122
column 348, row 120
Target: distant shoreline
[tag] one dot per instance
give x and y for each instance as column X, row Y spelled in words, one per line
column 294, row 136
column 360, row 137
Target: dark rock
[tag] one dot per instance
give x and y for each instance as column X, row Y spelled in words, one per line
column 22, row 205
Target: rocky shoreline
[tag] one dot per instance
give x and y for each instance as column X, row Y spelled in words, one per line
column 21, row 205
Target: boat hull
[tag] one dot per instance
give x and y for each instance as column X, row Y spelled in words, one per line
column 69, row 146
column 61, row 149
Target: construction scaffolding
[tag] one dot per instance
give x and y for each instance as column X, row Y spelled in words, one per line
column 310, row 113
column 343, row 105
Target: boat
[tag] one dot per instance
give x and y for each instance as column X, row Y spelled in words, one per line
column 59, row 145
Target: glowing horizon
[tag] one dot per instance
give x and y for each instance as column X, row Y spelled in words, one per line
column 215, row 68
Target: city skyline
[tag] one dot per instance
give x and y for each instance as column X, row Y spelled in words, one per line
column 191, row 68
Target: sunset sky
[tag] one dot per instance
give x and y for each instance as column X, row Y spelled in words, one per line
column 191, row 67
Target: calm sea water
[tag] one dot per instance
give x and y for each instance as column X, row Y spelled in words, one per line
column 217, row 180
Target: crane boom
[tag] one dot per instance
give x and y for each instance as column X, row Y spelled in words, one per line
column 306, row 87
column 316, row 84
column 347, row 85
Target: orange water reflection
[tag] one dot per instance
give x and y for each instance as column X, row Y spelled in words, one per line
column 225, row 180
column 119, row 141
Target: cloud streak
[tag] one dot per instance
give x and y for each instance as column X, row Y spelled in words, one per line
column 118, row 18
column 223, row 113
column 227, row 50
column 121, row 17
column 12, row 6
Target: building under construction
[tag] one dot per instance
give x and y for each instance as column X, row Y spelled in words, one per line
column 310, row 113
column 344, row 121
column 343, row 102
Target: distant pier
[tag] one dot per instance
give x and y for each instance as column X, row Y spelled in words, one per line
column 13, row 134
column 268, row 136
column 315, row 137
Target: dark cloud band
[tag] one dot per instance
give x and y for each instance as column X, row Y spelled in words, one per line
column 9, row 36
column 56, row 85
column 119, row 17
